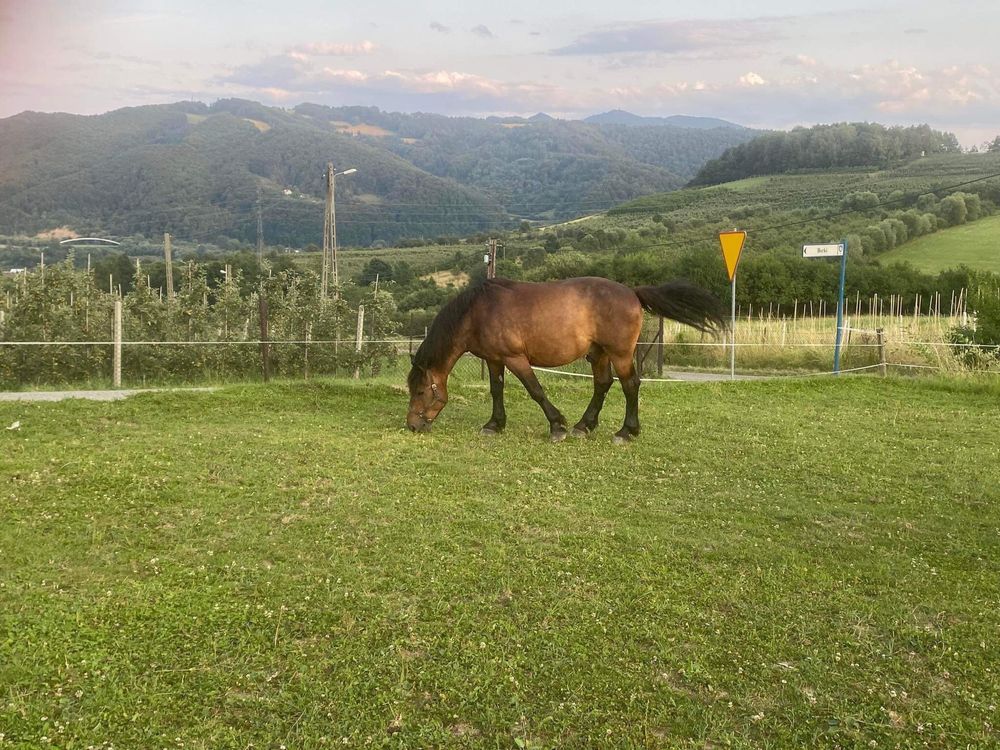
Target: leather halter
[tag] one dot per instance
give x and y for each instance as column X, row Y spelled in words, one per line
column 437, row 398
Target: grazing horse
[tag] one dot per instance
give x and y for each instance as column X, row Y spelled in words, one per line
column 515, row 325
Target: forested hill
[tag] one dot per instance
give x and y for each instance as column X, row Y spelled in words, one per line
column 540, row 167
column 826, row 147
column 620, row 117
column 194, row 170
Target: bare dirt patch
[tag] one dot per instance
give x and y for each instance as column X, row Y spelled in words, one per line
column 444, row 278
column 262, row 126
column 59, row 233
column 361, row 129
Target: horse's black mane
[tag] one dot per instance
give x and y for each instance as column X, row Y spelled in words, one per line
column 436, row 347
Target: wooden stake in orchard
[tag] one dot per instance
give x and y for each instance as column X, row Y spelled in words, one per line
column 169, row 263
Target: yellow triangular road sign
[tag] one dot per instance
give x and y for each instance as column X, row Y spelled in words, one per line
column 732, row 246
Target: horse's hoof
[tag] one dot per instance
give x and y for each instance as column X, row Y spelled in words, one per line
column 578, row 433
column 489, row 432
column 621, row 439
column 558, row 437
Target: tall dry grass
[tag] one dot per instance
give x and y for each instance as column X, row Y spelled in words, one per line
column 806, row 344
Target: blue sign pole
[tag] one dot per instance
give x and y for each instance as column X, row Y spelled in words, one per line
column 840, row 310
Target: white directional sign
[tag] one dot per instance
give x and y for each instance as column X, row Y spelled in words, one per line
column 830, row 250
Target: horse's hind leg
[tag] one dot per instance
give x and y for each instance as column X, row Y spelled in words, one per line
column 557, row 422
column 629, row 377
column 498, row 420
column 601, row 366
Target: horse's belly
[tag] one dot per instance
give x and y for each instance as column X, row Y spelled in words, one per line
column 559, row 354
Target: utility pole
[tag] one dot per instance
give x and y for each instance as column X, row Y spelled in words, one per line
column 327, row 233
column 333, row 231
column 491, row 258
column 330, row 233
column 260, row 228
column 168, row 260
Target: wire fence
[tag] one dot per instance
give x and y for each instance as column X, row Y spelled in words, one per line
column 677, row 358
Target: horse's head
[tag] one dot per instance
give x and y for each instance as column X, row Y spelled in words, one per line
column 428, row 396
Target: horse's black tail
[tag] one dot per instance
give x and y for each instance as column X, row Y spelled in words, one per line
column 686, row 303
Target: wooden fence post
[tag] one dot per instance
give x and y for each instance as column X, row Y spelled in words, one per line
column 305, row 356
column 659, row 349
column 880, row 333
column 357, row 343
column 265, row 349
column 116, row 358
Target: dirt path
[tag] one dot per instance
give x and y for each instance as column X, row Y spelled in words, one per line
column 89, row 395
column 110, row 395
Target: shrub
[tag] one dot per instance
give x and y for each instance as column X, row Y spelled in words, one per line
column 952, row 209
column 984, row 332
column 859, row 200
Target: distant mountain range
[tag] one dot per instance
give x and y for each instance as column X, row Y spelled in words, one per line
column 621, row 117
column 194, row 170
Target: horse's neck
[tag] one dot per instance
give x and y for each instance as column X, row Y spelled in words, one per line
column 451, row 360
column 460, row 345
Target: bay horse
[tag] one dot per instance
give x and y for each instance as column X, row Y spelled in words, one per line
column 513, row 325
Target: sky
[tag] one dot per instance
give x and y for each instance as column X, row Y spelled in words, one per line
column 778, row 64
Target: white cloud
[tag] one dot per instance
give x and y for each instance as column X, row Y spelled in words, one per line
column 286, row 77
column 893, row 92
column 727, row 38
column 803, row 61
column 329, row 49
column 751, row 79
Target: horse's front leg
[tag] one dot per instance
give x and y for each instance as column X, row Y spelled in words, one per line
column 557, row 422
column 498, row 420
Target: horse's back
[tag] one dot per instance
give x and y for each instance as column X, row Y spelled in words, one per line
column 559, row 321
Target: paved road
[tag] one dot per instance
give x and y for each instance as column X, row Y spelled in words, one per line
column 90, row 395
column 704, row 377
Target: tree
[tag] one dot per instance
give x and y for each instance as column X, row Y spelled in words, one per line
column 119, row 268
column 376, row 267
column 953, row 210
column 402, row 273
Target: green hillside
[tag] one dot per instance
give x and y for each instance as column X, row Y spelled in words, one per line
column 781, row 212
column 662, row 236
column 975, row 245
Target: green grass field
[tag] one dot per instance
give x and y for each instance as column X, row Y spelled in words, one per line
column 976, row 245
column 790, row 564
